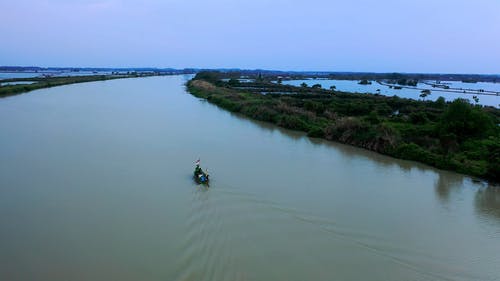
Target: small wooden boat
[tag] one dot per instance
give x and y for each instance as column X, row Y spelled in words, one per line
column 200, row 176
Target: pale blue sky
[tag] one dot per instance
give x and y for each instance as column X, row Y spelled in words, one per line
column 356, row 35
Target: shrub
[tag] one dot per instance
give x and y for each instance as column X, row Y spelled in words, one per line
column 411, row 151
column 465, row 120
column 293, row 122
column 316, row 132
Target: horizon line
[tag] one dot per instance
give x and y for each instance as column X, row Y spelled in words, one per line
column 236, row 69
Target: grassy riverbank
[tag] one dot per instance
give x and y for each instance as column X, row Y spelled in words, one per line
column 47, row 82
column 455, row 136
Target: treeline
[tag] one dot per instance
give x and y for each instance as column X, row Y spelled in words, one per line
column 404, row 79
column 454, row 135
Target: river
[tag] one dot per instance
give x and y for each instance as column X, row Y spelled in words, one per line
column 96, row 184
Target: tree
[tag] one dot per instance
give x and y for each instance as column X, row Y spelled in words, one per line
column 440, row 102
column 316, row 86
column 209, row 76
column 466, row 121
column 333, row 88
column 425, row 93
column 402, row 82
column 412, row 83
column 303, row 85
column 233, row 82
column 476, row 99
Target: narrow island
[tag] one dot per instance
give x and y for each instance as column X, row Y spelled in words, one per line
column 10, row 87
column 456, row 136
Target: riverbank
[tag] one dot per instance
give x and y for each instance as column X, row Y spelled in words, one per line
column 47, row 82
column 455, row 136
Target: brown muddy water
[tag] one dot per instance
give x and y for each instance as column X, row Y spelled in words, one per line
column 96, row 184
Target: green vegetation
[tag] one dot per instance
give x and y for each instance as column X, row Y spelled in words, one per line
column 454, row 135
column 425, row 93
column 404, row 82
column 47, row 82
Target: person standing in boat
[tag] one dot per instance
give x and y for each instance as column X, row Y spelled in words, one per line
column 197, row 169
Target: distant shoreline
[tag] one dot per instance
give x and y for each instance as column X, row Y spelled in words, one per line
column 340, row 75
column 48, row 82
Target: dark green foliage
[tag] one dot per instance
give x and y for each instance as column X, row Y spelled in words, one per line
column 316, row 132
column 405, row 82
column 383, row 109
column 226, row 103
column 209, row 76
column 456, row 136
column 419, row 117
column 373, row 118
column 314, row 106
column 293, row 122
column 411, row 151
column 440, row 102
column 492, row 146
column 233, row 82
column 261, row 113
column 425, row 93
column 352, row 108
column 466, row 121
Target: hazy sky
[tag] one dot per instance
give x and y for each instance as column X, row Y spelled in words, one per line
column 355, row 35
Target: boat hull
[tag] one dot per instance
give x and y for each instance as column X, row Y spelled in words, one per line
column 201, row 177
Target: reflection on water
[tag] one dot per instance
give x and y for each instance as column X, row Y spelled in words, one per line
column 486, row 196
column 447, row 182
column 487, row 201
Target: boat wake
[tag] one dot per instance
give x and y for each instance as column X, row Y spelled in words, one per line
column 223, row 221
